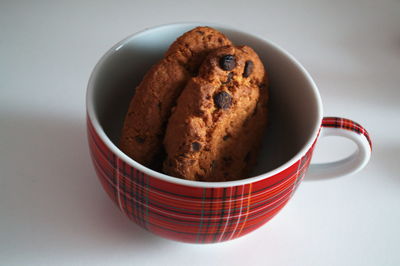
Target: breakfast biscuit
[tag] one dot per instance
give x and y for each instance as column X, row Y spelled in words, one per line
column 150, row 107
column 219, row 120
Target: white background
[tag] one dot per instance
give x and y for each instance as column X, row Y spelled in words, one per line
column 53, row 210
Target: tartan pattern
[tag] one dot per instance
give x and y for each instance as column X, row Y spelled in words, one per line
column 192, row 214
column 347, row 124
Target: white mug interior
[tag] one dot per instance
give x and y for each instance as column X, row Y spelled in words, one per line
column 295, row 109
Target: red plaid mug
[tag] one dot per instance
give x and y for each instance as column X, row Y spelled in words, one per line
column 207, row 212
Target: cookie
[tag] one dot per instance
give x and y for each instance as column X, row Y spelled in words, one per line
column 217, row 125
column 150, row 107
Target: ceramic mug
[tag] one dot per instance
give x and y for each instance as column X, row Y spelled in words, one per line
column 207, row 212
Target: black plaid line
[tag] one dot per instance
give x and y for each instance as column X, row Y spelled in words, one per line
column 140, row 198
column 132, row 194
column 146, row 206
column 136, row 185
column 124, row 191
column 209, row 221
column 201, row 215
column 137, row 197
column 142, row 211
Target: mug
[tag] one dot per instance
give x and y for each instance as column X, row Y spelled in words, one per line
column 209, row 212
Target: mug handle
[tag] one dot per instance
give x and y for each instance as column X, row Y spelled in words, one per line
column 335, row 126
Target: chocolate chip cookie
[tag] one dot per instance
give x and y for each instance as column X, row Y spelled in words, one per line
column 220, row 116
column 150, row 108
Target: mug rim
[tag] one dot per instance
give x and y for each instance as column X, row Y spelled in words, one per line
column 93, row 119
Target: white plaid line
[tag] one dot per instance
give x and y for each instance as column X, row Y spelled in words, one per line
column 239, row 215
column 229, row 212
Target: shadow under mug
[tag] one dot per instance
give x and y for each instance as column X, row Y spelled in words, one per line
column 208, row 212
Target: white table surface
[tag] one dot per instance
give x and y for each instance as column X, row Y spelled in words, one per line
column 53, row 210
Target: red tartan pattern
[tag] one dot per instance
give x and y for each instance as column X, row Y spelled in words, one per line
column 192, row 214
column 347, row 124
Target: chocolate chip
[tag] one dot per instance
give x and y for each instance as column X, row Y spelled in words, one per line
column 139, row 139
column 194, row 72
column 200, row 32
column 248, row 68
column 199, row 112
column 227, row 160
column 222, row 100
column 227, row 62
column 229, row 78
column 196, row 146
column 226, row 137
column 213, row 164
column 159, row 106
column 199, row 177
column 262, row 86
